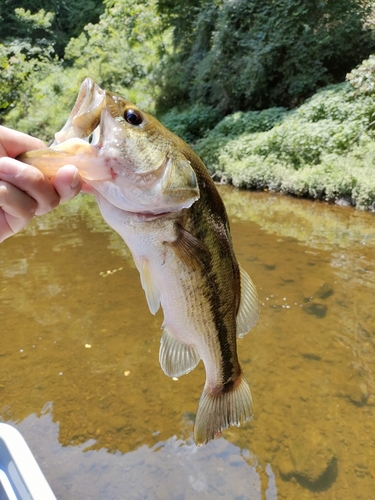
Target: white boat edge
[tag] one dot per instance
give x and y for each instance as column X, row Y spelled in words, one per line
column 20, row 467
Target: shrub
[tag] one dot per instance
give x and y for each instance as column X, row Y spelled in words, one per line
column 250, row 122
column 324, row 149
column 362, row 77
column 192, row 123
column 232, row 126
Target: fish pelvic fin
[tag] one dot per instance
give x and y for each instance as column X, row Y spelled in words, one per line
column 176, row 358
column 149, row 285
column 218, row 412
column 248, row 311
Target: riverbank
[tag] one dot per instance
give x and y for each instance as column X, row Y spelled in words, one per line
column 325, row 149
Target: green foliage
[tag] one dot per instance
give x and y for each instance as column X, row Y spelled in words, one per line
column 124, row 50
column 192, row 123
column 362, row 77
column 44, row 109
column 18, row 22
column 250, row 122
column 46, row 21
column 245, row 54
column 19, row 60
column 324, row 149
column 30, row 32
column 233, row 126
column 295, row 142
column 348, row 177
column 21, row 57
column 34, row 23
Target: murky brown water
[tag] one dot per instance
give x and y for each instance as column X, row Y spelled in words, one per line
column 80, row 378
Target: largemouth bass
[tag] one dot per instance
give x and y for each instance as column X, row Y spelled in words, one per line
column 156, row 193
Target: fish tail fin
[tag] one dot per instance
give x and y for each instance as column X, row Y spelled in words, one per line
column 218, row 412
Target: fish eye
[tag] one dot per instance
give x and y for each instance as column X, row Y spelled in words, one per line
column 133, row 117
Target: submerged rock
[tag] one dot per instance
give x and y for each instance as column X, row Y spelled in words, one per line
column 324, row 292
column 313, row 304
column 310, row 460
column 355, row 391
column 315, row 308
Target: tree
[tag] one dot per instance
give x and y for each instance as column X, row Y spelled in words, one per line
column 50, row 20
column 122, row 53
column 33, row 34
column 124, row 50
column 252, row 54
column 19, row 58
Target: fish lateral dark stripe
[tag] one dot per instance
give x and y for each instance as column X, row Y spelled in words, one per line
column 192, row 250
column 217, row 303
column 216, row 308
column 228, row 386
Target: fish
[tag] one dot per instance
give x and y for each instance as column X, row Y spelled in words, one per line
column 154, row 191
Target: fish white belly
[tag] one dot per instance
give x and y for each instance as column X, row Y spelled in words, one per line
column 167, row 281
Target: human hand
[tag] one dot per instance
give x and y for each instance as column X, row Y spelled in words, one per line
column 24, row 190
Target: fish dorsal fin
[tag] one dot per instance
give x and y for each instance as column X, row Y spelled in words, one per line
column 149, row 286
column 248, row 312
column 176, row 358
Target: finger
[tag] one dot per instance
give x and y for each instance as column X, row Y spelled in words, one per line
column 17, row 208
column 13, row 143
column 67, row 182
column 32, row 181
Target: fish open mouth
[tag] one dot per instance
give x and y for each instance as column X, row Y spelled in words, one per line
column 75, row 142
column 83, row 121
column 117, row 160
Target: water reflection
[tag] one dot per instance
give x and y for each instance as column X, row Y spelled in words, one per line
column 79, row 360
column 171, row 469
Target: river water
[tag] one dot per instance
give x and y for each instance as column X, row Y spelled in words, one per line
column 80, row 378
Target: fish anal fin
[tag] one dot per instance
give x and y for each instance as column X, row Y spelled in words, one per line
column 188, row 247
column 218, row 412
column 176, row 358
column 149, row 286
column 248, row 311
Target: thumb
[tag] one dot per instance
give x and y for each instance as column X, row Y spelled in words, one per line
column 67, row 182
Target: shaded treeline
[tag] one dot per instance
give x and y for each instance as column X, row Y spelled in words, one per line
column 243, row 54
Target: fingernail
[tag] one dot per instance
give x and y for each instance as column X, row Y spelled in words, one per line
column 76, row 179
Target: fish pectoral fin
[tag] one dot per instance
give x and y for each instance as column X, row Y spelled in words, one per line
column 176, row 358
column 149, row 286
column 188, row 247
column 248, row 311
column 217, row 412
